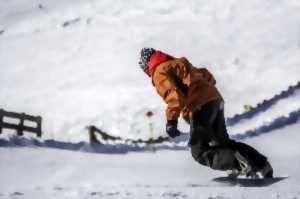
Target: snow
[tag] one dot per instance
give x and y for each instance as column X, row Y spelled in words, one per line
column 87, row 73
column 163, row 174
column 282, row 108
column 75, row 64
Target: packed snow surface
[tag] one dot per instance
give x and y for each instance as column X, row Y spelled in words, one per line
column 33, row 172
column 75, row 63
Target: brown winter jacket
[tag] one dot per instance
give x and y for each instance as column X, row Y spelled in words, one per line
column 183, row 87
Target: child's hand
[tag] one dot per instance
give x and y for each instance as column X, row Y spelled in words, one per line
column 171, row 129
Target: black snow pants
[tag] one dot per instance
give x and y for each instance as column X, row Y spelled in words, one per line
column 210, row 143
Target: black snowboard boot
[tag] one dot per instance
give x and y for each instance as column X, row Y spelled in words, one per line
column 266, row 171
column 249, row 170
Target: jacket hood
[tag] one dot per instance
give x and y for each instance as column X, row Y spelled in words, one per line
column 157, row 58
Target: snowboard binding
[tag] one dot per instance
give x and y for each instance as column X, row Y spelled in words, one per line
column 248, row 170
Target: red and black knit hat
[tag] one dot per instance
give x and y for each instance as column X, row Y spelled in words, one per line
column 150, row 58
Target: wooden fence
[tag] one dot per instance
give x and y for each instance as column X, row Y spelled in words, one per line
column 20, row 127
column 93, row 138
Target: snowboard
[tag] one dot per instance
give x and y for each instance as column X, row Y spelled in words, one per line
column 248, row 182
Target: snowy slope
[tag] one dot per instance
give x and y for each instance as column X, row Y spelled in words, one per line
column 280, row 109
column 165, row 174
column 86, row 73
column 75, row 64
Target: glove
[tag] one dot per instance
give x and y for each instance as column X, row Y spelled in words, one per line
column 171, row 128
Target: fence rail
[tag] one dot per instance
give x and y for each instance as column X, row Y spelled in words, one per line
column 20, row 127
column 93, row 138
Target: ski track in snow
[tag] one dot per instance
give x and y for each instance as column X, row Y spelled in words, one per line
column 263, row 106
column 148, row 192
column 281, row 108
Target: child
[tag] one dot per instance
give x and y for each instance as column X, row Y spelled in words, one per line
column 191, row 91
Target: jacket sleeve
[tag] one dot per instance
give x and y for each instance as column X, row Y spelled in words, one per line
column 173, row 97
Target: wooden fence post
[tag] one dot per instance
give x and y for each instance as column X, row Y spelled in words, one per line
column 1, row 119
column 21, row 125
column 93, row 138
column 39, row 126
